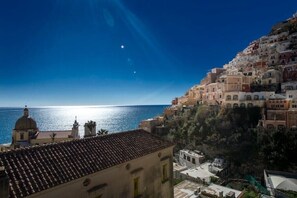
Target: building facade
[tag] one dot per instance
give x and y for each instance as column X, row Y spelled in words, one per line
column 126, row 164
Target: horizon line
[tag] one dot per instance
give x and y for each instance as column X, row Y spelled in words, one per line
column 82, row 106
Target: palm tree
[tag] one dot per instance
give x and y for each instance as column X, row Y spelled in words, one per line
column 102, row 132
column 53, row 135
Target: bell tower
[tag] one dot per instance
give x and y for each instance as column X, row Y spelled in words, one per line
column 26, row 111
column 75, row 127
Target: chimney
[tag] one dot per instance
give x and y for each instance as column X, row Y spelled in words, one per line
column 3, row 183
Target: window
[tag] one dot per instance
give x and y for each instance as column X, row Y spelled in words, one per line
column 228, row 97
column 256, row 97
column 248, row 97
column 242, row 105
column 136, row 187
column 96, row 191
column 193, row 161
column 21, row 136
column 185, row 156
column 188, row 158
column 235, row 97
column 164, row 172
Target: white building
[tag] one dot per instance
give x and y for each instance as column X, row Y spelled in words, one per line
column 214, row 190
column 190, row 158
column 277, row 180
column 246, row 99
column 177, row 169
column 200, row 173
column 291, row 94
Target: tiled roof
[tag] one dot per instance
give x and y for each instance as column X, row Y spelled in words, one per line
column 38, row 168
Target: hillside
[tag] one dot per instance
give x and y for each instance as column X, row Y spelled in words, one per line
column 245, row 111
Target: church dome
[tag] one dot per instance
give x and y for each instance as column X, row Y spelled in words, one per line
column 25, row 122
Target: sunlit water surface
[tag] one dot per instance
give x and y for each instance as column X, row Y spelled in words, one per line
column 112, row 118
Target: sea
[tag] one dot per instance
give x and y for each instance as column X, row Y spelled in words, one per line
column 111, row 118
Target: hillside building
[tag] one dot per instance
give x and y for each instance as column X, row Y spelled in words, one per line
column 212, row 76
column 271, row 76
column 150, row 124
column 246, row 99
column 236, row 82
column 190, row 158
column 280, row 113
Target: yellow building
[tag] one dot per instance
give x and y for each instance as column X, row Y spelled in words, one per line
column 279, row 113
column 127, row 164
column 150, row 124
column 213, row 93
column 237, row 82
column 26, row 133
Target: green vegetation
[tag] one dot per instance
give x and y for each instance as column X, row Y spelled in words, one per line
column 214, row 179
column 250, row 194
column 177, row 181
column 288, row 193
column 219, row 128
column 278, row 149
column 286, row 26
column 102, row 132
column 233, row 134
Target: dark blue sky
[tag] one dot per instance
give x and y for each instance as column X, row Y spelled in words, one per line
column 99, row 52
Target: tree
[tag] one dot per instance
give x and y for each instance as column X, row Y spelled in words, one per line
column 102, row 132
column 53, row 135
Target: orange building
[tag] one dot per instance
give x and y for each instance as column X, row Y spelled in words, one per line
column 280, row 113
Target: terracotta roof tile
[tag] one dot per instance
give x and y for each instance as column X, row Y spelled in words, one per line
column 38, row 168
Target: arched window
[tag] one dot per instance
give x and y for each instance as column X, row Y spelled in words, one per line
column 235, row 105
column 256, row 97
column 228, row 97
column 235, row 97
column 242, row 105
column 228, row 105
column 248, row 97
column 250, row 105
